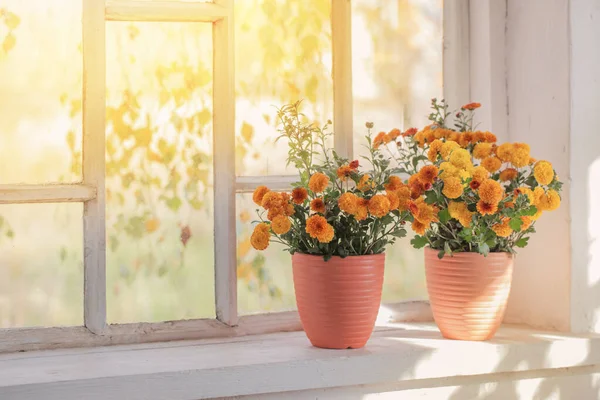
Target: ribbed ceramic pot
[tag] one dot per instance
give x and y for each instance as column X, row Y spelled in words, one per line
column 468, row 292
column 338, row 300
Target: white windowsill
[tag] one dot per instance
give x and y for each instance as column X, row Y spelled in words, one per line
column 397, row 354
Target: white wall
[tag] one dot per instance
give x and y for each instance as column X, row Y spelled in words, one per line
column 585, row 165
column 538, row 89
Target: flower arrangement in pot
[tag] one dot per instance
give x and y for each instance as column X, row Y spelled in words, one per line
column 336, row 223
column 488, row 198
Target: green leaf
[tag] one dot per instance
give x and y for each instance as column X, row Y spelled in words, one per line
column 419, row 242
column 401, row 232
column 447, row 249
column 444, row 216
column 441, row 254
column 174, row 203
column 431, row 197
column 522, row 242
column 484, row 249
column 515, row 224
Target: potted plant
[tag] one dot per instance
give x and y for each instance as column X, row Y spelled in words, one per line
column 336, row 223
column 488, row 197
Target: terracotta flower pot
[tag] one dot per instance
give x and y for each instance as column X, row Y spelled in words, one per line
column 338, row 300
column 468, row 292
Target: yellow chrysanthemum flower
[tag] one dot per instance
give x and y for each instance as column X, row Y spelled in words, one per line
column 379, row 205
column 448, row 170
column 281, row 224
column 520, row 155
column 549, row 201
column 453, row 188
column 465, row 218
column 502, row 229
column 318, row 182
column 461, row 159
column 260, row 236
column 490, row 191
column 538, row 193
column 456, row 208
column 543, row 172
column 447, row 148
column 527, row 192
column 492, row 164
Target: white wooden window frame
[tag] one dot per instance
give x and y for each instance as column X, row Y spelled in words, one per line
column 91, row 190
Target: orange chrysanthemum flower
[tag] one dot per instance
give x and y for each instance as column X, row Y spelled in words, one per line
column 394, row 200
column 505, row 152
column 318, row 228
column 490, row 191
column 404, row 198
column 361, row 209
column 418, row 227
column 318, row 182
column 452, row 188
column 502, row 229
column 299, row 195
column 379, row 205
column 428, row 173
column 365, row 184
column 527, row 221
column 471, row 106
column 508, row 174
column 425, row 213
column 348, row 203
column 260, row 236
column 394, row 183
column 482, row 150
column 484, row 208
column 410, row 132
column 281, row 224
column 381, row 138
column 490, row 137
column 272, row 200
column 259, row 193
column 394, row 133
column 344, row 172
column 492, row 164
column 318, row 205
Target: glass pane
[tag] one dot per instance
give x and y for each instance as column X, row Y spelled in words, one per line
column 264, row 277
column 282, row 54
column 40, row 95
column 159, row 172
column 397, row 69
column 41, row 265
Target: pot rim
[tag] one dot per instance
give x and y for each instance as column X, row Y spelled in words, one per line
column 470, row 254
column 378, row 255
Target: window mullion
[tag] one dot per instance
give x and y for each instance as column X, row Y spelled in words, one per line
column 94, row 229
column 224, row 168
column 341, row 28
